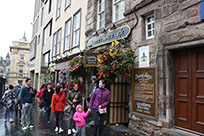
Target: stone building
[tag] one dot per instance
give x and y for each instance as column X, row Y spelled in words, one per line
column 5, row 67
column 171, row 33
column 41, row 41
column 19, row 66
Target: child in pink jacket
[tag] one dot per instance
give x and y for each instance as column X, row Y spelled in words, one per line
column 78, row 117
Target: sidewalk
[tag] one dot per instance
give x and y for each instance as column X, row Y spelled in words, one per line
column 42, row 129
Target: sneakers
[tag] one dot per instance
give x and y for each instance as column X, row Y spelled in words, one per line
column 48, row 122
column 61, row 130
column 11, row 120
column 30, row 126
column 73, row 130
column 56, row 129
column 69, row 131
column 4, row 120
column 24, row 127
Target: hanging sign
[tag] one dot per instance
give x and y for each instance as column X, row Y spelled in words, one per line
column 119, row 33
column 90, row 59
column 144, row 92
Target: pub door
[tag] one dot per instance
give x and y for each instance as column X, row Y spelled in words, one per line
column 189, row 89
column 119, row 102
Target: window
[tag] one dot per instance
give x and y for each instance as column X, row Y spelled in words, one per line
column 67, row 3
column 58, row 9
column 20, row 69
column 149, row 25
column 101, row 14
column 46, row 59
column 56, row 42
column 42, row 17
column 20, row 82
column 21, row 57
column 76, row 27
column 47, row 32
column 67, row 35
column 50, row 6
column 38, row 39
column 118, row 10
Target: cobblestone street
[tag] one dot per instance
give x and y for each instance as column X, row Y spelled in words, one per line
column 42, row 129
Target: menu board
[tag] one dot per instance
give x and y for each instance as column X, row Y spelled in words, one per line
column 90, row 60
column 144, row 92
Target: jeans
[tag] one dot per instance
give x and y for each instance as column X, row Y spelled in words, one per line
column 80, row 131
column 59, row 117
column 11, row 112
column 47, row 114
column 26, row 114
column 99, row 120
column 71, row 123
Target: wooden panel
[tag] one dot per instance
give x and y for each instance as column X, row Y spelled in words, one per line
column 182, row 89
column 198, row 90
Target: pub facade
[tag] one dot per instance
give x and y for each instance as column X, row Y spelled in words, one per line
column 166, row 89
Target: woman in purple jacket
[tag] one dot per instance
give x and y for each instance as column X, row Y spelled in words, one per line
column 99, row 100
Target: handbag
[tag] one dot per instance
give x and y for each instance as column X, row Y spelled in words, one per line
column 102, row 110
column 68, row 107
column 42, row 103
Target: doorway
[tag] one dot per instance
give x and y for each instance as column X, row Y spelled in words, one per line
column 189, row 89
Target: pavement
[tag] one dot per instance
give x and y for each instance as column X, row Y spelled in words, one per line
column 42, row 129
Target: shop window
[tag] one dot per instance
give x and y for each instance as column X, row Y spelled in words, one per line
column 21, row 57
column 76, row 28
column 149, row 26
column 118, row 10
column 67, row 35
column 56, row 42
column 101, row 14
column 58, row 8
column 20, row 69
column 67, row 3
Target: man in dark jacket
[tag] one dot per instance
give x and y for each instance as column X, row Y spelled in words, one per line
column 26, row 95
column 47, row 98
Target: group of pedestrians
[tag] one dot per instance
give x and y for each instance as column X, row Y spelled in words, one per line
column 55, row 101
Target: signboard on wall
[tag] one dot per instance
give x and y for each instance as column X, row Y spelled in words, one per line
column 90, row 59
column 117, row 34
column 144, row 56
column 144, row 92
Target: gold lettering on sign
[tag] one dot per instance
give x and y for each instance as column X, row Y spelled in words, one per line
column 120, row 33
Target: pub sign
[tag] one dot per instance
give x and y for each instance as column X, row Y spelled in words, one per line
column 144, row 92
column 90, row 59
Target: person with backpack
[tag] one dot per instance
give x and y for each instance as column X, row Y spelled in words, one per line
column 26, row 96
column 8, row 100
column 17, row 90
column 39, row 95
column 47, row 98
column 57, row 105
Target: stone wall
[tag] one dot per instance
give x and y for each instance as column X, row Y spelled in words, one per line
column 176, row 21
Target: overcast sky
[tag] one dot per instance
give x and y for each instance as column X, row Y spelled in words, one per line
column 16, row 17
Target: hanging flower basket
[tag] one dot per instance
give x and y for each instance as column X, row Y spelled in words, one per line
column 115, row 62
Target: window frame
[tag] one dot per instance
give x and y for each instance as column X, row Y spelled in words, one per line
column 65, row 35
column 100, row 13
column 20, row 69
column 21, row 55
column 46, row 34
column 58, row 42
column 114, row 10
column 152, row 28
column 67, row 5
column 47, row 53
column 58, row 9
column 73, row 29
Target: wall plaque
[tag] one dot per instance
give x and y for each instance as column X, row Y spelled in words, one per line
column 119, row 33
column 90, row 59
column 144, row 92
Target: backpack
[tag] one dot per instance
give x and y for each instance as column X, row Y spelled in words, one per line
column 19, row 95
